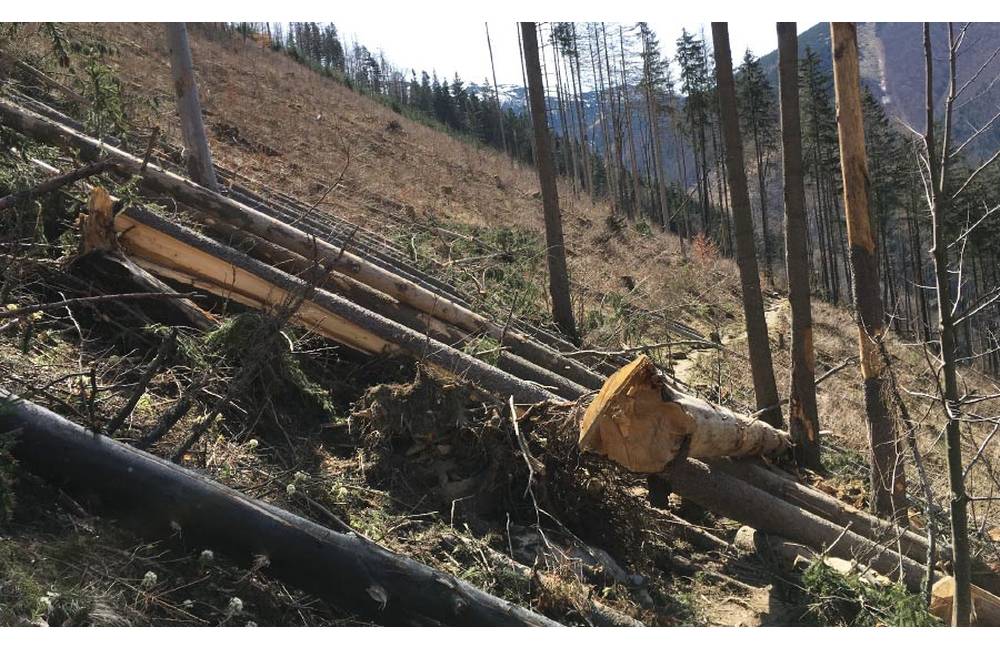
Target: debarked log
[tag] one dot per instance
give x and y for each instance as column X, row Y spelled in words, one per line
column 180, row 254
column 642, row 423
column 345, row 568
column 216, row 208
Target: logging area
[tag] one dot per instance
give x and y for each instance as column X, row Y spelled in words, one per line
column 323, row 380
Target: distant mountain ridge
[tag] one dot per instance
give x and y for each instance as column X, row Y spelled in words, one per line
column 892, row 66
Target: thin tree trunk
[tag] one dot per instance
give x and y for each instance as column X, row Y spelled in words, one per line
column 802, row 412
column 753, row 307
column 946, row 330
column 888, row 480
column 197, row 154
column 496, row 92
column 562, row 308
column 578, row 91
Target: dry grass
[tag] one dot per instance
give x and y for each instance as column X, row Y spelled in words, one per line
column 399, row 181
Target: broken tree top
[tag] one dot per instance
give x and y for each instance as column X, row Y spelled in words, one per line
column 639, row 422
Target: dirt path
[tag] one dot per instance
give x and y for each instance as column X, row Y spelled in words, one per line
column 684, row 369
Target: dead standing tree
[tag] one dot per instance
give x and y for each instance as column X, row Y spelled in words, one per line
column 888, row 478
column 802, row 413
column 198, row 157
column 753, row 305
column 555, row 255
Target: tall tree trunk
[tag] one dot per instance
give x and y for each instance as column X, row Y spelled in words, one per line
column 946, row 329
column 527, row 107
column 555, row 255
column 636, row 188
column 802, row 413
column 496, row 92
column 578, row 91
column 753, row 307
column 762, row 197
column 197, row 154
column 888, row 480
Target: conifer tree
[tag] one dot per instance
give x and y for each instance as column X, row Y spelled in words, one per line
column 803, row 417
column 757, row 115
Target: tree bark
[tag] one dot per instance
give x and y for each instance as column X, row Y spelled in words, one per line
column 888, row 479
column 185, row 256
column 803, row 417
column 562, row 308
column 214, row 208
column 939, row 187
column 730, row 497
column 761, row 366
column 197, row 154
column 349, row 570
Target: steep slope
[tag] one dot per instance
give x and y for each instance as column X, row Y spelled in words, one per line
column 290, row 128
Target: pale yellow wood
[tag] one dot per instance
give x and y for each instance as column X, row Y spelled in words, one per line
column 985, row 606
column 642, row 424
column 161, row 254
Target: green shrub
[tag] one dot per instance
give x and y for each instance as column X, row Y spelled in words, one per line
column 848, row 600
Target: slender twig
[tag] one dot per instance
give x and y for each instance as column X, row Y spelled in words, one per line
column 55, row 183
column 166, row 347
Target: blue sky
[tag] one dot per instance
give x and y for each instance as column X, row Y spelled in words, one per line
column 450, row 46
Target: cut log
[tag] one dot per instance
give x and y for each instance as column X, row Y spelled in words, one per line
column 834, row 510
column 985, row 606
column 178, row 253
column 642, row 424
column 378, row 302
column 730, row 497
column 345, row 568
column 789, row 556
column 216, row 208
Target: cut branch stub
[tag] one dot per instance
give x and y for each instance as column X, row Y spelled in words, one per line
column 642, row 424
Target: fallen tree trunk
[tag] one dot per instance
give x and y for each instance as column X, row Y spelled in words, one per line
column 183, row 255
column 376, row 301
column 834, row 510
column 218, row 208
column 343, row 567
column 103, row 265
column 642, row 424
column 730, row 497
column 863, row 523
column 789, row 556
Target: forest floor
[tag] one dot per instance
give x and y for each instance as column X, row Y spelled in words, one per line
column 322, row 434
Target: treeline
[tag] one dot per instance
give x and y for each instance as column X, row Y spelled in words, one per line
column 640, row 128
